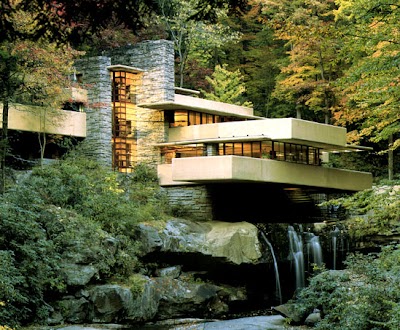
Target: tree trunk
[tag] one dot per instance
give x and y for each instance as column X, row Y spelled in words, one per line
column 4, row 144
column 390, row 158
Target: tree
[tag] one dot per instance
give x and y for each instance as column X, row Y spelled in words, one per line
column 9, row 83
column 227, row 86
column 32, row 72
column 76, row 21
column 257, row 55
column 312, row 43
column 193, row 39
column 370, row 102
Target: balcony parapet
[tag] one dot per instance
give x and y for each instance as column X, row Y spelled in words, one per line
column 289, row 130
column 222, row 169
column 39, row 119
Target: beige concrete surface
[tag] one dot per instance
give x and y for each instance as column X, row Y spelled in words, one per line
column 246, row 169
column 38, row 119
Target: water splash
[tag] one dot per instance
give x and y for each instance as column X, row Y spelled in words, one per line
column 297, row 256
column 277, row 277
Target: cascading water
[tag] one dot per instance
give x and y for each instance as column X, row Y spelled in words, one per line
column 315, row 249
column 335, row 234
column 277, row 278
column 297, row 256
column 313, row 253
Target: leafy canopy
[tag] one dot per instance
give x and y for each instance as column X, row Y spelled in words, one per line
column 370, row 88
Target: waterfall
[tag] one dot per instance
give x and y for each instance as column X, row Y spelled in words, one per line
column 297, row 256
column 315, row 248
column 277, row 278
column 335, row 234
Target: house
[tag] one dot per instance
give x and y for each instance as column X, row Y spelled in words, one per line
column 214, row 160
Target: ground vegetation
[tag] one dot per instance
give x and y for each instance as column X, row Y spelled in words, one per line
column 72, row 205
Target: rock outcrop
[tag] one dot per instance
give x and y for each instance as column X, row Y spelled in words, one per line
column 235, row 242
column 164, row 292
column 161, row 298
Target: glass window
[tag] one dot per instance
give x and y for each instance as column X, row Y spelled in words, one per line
column 228, row 149
column 238, row 149
column 180, row 118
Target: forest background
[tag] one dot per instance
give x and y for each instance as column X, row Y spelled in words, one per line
column 331, row 61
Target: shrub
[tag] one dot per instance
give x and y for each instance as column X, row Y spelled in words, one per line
column 365, row 296
column 137, row 284
column 71, row 208
column 372, row 211
column 29, row 265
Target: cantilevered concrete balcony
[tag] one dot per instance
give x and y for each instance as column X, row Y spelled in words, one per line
column 38, row 119
column 291, row 130
column 185, row 102
column 220, row 169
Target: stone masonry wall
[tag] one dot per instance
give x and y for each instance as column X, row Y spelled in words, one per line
column 156, row 58
column 96, row 79
column 192, row 202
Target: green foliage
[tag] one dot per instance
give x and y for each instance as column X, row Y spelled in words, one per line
column 71, row 211
column 369, row 87
column 311, row 42
column 227, row 86
column 31, row 264
column 371, row 212
column 136, row 283
column 194, row 39
column 365, row 296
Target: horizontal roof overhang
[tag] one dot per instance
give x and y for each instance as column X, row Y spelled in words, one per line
column 124, row 68
column 186, row 91
column 184, row 102
column 220, row 169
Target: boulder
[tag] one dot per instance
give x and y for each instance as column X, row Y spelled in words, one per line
column 293, row 314
column 78, row 275
column 149, row 237
column 108, row 302
column 313, row 319
column 144, row 306
column 236, row 242
column 173, row 271
column 185, row 299
column 72, row 310
column 158, row 298
column 117, row 303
